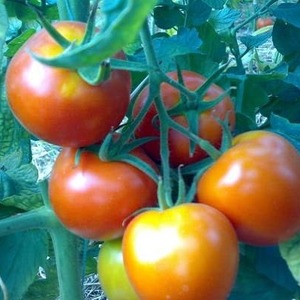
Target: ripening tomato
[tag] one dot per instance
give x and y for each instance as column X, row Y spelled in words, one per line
column 263, row 22
column 209, row 127
column 55, row 104
column 93, row 197
column 112, row 274
column 186, row 252
column 256, row 185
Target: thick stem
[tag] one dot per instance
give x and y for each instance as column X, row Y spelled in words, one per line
column 66, row 247
column 66, row 252
column 42, row 218
column 73, row 10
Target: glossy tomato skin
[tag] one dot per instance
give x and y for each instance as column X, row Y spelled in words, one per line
column 93, row 198
column 179, row 145
column 112, row 274
column 256, row 185
column 187, row 252
column 55, row 104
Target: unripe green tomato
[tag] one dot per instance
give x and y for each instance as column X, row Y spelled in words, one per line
column 112, row 275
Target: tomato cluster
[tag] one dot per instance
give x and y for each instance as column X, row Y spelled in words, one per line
column 248, row 194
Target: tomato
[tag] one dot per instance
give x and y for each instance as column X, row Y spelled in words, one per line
column 256, row 185
column 112, row 274
column 181, row 253
column 263, row 22
column 93, row 198
column 179, row 145
column 55, row 104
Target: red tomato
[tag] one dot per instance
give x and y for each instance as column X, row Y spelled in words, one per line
column 256, row 185
column 112, row 274
column 55, row 104
column 93, row 198
column 186, row 252
column 263, row 22
column 209, row 128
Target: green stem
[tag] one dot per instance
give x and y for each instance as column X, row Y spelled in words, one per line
column 155, row 81
column 149, row 50
column 41, row 218
column 73, row 10
column 213, row 152
column 191, row 95
column 65, row 246
column 43, row 185
column 67, row 262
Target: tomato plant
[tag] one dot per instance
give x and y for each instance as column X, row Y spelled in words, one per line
column 56, row 104
column 112, row 274
column 182, row 251
column 263, row 22
column 209, row 127
column 187, row 249
column 256, row 185
column 93, row 198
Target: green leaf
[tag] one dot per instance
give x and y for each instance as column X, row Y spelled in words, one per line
column 252, row 41
column 294, row 78
column 19, row 186
column 254, row 97
column 286, row 38
column 116, row 33
column 223, row 19
column 217, row 4
column 8, row 211
column 213, row 47
column 44, row 288
column 27, row 201
column 186, row 41
column 16, row 43
column 12, row 136
column 290, row 252
column 197, row 13
column 3, row 30
column 20, row 10
column 288, row 130
column 253, row 285
column 288, row 13
column 21, row 255
column 167, row 17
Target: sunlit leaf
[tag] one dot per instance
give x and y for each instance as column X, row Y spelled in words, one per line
column 223, row 19
column 117, row 32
